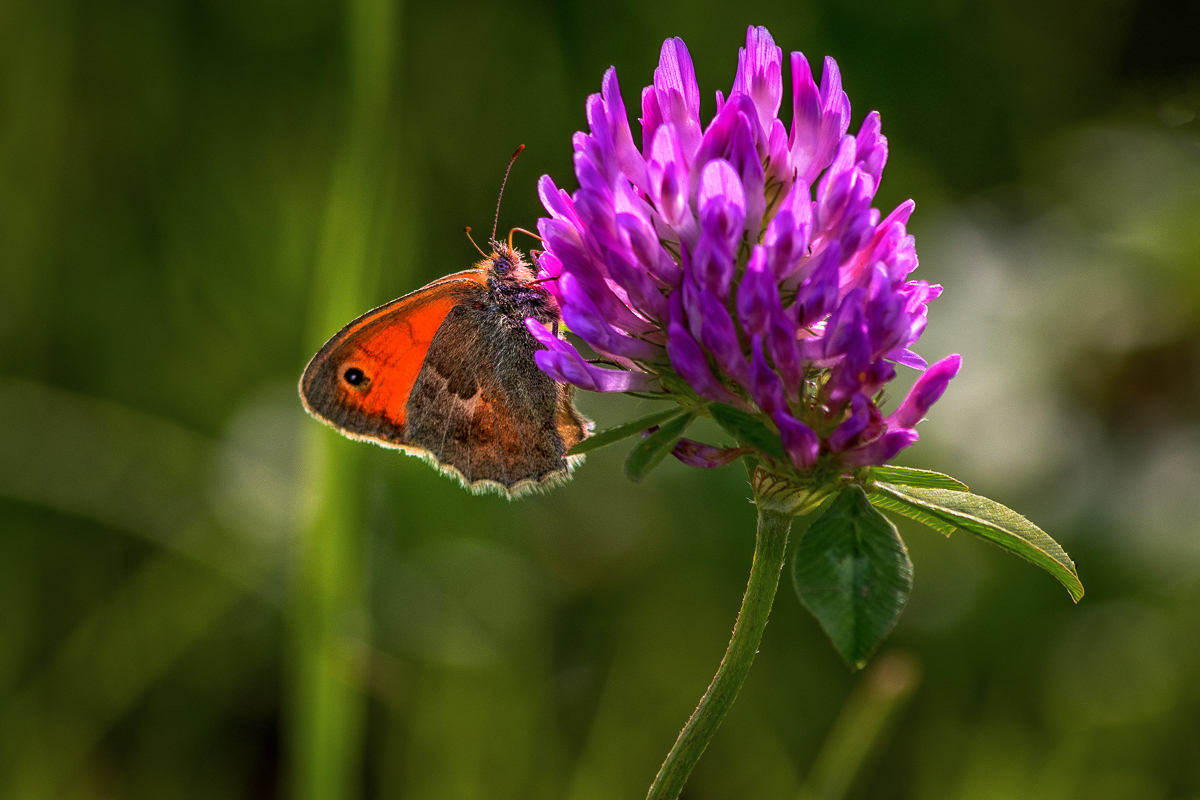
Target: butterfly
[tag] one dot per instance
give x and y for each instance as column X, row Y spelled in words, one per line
column 447, row 373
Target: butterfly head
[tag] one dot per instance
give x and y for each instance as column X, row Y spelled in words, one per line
column 507, row 264
column 512, row 287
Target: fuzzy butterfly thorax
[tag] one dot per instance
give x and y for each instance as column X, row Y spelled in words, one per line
column 447, row 373
column 512, row 291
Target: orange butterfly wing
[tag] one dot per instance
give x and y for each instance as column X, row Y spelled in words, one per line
column 360, row 380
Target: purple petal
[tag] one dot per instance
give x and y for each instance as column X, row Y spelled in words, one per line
column 788, row 233
column 925, row 392
column 627, row 155
column 833, row 190
column 859, row 219
column 852, row 427
column 757, row 294
column 847, row 336
column 779, row 158
column 697, row 454
column 586, row 320
column 812, row 352
column 765, row 386
column 846, row 322
column 563, row 363
column 721, row 200
column 835, row 110
column 744, row 158
column 638, row 286
column 760, row 74
column 639, row 239
column 590, row 170
column 918, row 293
column 594, row 281
column 591, row 149
column 819, row 292
column 872, row 148
column 890, row 244
column 738, row 117
column 900, row 256
column 678, row 93
column 802, row 444
column 557, row 201
column 688, row 360
column 667, row 175
column 878, row 452
column 689, row 299
column 887, row 322
column 579, row 373
column 651, row 118
column 907, row 358
column 900, row 214
column 711, row 264
column 549, row 270
column 896, row 318
column 819, row 120
column 781, row 344
column 564, row 243
column 716, row 140
column 719, row 337
column 876, row 376
column 806, row 117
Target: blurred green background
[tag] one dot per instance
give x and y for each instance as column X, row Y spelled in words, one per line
column 205, row 594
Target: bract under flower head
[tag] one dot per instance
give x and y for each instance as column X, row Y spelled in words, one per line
column 743, row 257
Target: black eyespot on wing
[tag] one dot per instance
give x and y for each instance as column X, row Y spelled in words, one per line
column 354, row 376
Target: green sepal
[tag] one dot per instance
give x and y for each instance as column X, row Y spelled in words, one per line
column 996, row 523
column 852, row 572
column 678, row 386
column 652, row 396
column 654, row 448
column 908, row 476
column 614, row 435
column 748, row 430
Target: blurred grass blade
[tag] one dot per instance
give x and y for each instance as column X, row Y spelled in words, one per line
column 853, row 573
column 997, row 524
column 908, row 476
column 329, row 611
column 650, row 452
column 877, row 698
column 329, row 619
column 614, row 435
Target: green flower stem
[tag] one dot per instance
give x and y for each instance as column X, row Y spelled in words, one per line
column 773, row 528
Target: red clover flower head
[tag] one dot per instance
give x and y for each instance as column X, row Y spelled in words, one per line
column 739, row 269
column 741, row 263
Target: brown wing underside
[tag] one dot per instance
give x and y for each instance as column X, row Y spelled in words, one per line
column 481, row 407
column 448, row 378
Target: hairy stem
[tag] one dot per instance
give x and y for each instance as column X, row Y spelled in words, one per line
column 773, row 528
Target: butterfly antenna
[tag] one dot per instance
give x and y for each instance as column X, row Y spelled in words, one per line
column 527, row 233
column 496, row 221
column 467, row 231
